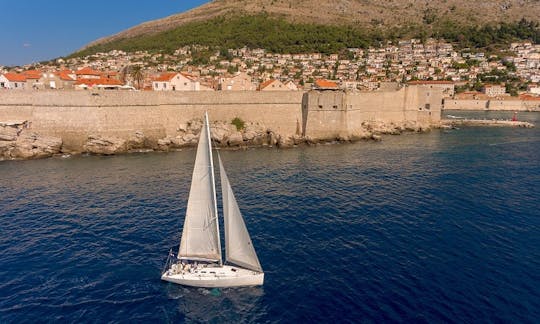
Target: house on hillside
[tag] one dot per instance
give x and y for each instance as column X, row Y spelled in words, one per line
column 240, row 82
column 273, row 85
column 13, row 81
column 87, row 73
column 178, row 81
column 64, row 79
column 101, row 83
column 291, row 85
column 494, row 90
column 533, row 88
column 32, row 79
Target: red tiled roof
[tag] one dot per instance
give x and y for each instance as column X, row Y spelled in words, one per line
column 322, row 83
column 64, row 75
column 87, row 71
column 15, row 77
column 102, row 81
column 165, row 76
column 266, row 83
column 32, row 74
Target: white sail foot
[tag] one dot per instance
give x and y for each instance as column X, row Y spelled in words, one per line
column 213, row 276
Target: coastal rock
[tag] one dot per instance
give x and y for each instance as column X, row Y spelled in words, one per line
column 285, row 141
column 220, row 133
column 31, row 146
column 164, row 144
column 97, row 144
column 190, row 139
column 136, row 142
column 182, row 128
column 177, row 142
column 271, row 138
column 7, row 138
column 235, row 139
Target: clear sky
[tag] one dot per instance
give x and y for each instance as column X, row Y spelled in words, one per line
column 37, row 30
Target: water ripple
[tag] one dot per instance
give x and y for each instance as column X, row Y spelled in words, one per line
column 423, row 228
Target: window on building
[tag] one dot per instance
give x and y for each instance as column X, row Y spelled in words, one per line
column 428, row 106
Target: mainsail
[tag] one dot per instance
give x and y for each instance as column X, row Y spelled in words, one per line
column 238, row 247
column 200, row 236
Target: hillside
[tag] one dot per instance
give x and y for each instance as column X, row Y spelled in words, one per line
column 372, row 19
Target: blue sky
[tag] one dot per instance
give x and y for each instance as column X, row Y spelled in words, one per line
column 37, row 30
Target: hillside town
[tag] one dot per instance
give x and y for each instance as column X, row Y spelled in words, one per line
column 195, row 68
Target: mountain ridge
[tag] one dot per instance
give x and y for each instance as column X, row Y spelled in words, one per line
column 366, row 14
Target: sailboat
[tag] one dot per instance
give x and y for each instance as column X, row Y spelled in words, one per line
column 199, row 261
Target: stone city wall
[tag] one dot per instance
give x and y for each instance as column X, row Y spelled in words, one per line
column 329, row 114
column 511, row 105
column 110, row 122
column 75, row 115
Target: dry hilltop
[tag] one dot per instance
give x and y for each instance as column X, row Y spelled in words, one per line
column 360, row 13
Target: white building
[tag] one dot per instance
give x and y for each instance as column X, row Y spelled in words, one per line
column 175, row 81
column 12, row 81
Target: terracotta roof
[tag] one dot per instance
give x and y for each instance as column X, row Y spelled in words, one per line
column 322, row 83
column 15, row 77
column 100, row 81
column 266, row 83
column 430, row 82
column 87, row 71
column 64, row 75
column 32, row 74
column 165, row 76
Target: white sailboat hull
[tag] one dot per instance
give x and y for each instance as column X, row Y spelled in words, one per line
column 214, row 277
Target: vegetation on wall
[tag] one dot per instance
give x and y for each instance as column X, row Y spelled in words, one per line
column 239, row 123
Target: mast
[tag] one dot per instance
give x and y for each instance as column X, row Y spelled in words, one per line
column 216, row 220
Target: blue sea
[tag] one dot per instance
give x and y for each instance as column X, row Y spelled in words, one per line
column 436, row 227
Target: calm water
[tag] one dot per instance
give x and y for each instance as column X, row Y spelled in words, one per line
column 437, row 227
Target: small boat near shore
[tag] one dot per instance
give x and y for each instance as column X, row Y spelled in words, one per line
column 199, row 261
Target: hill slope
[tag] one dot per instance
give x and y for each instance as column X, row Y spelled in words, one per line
column 394, row 15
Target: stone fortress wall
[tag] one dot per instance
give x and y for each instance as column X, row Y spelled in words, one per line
column 74, row 116
column 329, row 114
column 492, row 104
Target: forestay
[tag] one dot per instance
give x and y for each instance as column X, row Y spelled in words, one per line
column 238, row 247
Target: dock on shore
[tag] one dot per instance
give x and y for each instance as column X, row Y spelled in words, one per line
column 485, row 122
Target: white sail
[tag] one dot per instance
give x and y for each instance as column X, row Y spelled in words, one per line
column 238, row 247
column 200, row 236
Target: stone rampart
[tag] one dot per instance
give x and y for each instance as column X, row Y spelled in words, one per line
column 335, row 114
column 493, row 104
column 75, row 115
column 87, row 121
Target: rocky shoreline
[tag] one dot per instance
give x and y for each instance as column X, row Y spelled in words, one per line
column 19, row 142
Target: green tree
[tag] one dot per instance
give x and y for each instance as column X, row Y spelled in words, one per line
column 137, row 74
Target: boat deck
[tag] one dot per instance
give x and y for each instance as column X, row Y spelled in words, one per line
column 212, row 276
